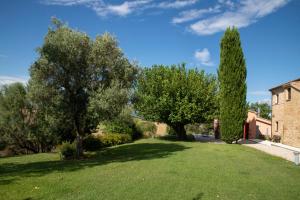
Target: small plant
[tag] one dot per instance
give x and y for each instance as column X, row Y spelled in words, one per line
column 2, row 145
column 91, row 143
column 68, row 150
column 276, row 138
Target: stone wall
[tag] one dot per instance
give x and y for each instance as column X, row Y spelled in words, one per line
column 286, row 113
column 258, row 126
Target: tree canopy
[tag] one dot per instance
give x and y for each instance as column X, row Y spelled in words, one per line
column 70, row 68
column 264, row 109
column 176, row 96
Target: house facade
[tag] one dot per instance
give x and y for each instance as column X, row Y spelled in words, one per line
column 256, row 126
column 286, row 112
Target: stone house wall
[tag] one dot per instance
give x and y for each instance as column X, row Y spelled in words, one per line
column 286, row 113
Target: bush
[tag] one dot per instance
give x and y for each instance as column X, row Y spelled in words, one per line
column 121, row 127
column 145, row 128
column 112, row 139
column 117, row 127
column 190, row 138
column 68, row 150
column 91, row 143
column 276, row 138
column 203, row 128
column 2, row 145
column 171, row 131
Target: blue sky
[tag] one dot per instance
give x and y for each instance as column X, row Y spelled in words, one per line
column 163, row 32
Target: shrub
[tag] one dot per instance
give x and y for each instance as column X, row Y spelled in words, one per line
column 2, row 145
column 68, row 150
column 170, row 131
column 145, row 128
column 121, row 127
column 199, row 128
column 112, row 139
column 91, row 143
column 190, row 138
column 276, row 138
column 117, row 127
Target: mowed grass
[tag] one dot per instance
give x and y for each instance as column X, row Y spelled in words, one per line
column 152, row 169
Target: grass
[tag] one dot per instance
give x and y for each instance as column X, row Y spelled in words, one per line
column 152, row 169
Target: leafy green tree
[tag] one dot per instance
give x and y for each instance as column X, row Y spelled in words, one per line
column 264, row 109
column 176, row 96
column 107, row 103
column 232, row 79
column 72, row 68
column 16, row 119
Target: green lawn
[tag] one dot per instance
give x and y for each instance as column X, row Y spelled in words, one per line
column 152, row 169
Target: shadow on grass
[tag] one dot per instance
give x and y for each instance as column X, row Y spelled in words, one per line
column 174, row 138
column 198, row 196
column 10, row 172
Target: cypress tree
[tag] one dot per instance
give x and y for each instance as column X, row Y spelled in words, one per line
column 232, row 79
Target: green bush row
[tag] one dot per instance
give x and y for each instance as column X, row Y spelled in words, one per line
column 94, row 143
column 135, row 128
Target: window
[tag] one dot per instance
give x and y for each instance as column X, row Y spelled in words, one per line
column 289, row 94
column 276, row 98
column 276, row 128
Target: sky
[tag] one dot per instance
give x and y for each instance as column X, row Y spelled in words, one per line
column 163, row 32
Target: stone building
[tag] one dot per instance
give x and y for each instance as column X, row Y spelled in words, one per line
column 286, row 112
column 256, row 126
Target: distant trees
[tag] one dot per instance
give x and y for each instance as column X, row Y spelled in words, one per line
column 176, row 96
column 232, row 78
column 264, row 109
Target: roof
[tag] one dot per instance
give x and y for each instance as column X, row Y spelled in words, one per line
column 298, row 79
column 259, row 118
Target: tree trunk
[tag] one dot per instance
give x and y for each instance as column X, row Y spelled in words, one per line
column 180, row 131
column 79, row 150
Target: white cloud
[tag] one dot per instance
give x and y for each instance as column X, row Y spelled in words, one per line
column 246, row 13
column 102, row 8
column 123, row 9
column 193, row 14
column 227, row 3
column 177, row 3
column 203, row 57
column 12, row 79
column 213, row 19
column 70, row 2
column 3, row 56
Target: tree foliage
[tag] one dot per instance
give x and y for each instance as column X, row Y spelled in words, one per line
column 176, row 96
column 232, row 78
column 264, row 109
column 70, row 69
column 18, row 121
